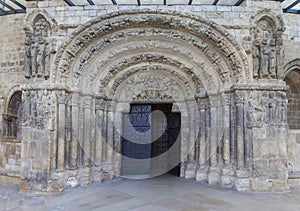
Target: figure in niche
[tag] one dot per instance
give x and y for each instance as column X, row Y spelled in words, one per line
column 264, row 51
column 273, row 64
column 284, row 103
column 256, row 59
column 265, row 57
column 272, row 107
column 37, row 50
column 27, row 65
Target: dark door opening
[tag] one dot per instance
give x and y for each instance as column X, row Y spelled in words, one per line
column 151, row 140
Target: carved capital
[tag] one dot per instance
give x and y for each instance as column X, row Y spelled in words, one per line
column 202, row 103
column 227, row 99
column 239, row 97
column 61, row 97
column 100, row 104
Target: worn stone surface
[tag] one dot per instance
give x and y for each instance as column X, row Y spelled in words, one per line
column 162, row 193
column 68, row 74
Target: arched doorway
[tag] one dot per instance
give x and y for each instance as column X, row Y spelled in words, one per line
column 161, row 58
column 292, row 79
column 11, row 141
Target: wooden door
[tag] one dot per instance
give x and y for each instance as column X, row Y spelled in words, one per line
column 142, row 155
column 136, row 141
column 174, row 143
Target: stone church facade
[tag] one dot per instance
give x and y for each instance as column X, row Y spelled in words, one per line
column 229, row 77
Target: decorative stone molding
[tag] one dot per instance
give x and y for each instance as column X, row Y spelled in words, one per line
column 290, row 66
column 104, row 25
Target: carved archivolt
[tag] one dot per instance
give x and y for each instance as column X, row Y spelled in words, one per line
column 160, row 69
column 157, row 59
column 109, row 31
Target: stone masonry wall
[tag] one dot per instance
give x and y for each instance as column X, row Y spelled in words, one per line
column 236, row 20
column 12, row 38
column 11, row 74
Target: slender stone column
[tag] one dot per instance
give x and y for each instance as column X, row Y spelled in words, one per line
column 117, row 124
column 87, row 128
column 108, row 167
column 226, row 177
column 104, row 133
column 191, row 166
column 68, row 135
column 201, row 172
column 61, row 129
column 74, row 130
column 239, row 100
column 226, row 140
column 213, row 132
column 99, row 131
column 213, row 174
column 207, row 134
column 110, row 131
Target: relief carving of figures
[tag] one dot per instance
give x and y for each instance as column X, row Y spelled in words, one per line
column 26, row 108
column 38, row 109
column 284, row 104
column 272, row 107
column 148, row 86
column 264, row 51
column 37, row 50
column 27, row 65
column 256, row 114
column 265, row 59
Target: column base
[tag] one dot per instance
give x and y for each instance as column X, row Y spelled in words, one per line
column 190, row 171
column 242, row 180
column 226, row 178
column 213, row 176
column 201, row 174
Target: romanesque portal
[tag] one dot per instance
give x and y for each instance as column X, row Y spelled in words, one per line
column 138, row 93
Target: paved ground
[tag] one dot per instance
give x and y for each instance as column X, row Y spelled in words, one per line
column 161, row 193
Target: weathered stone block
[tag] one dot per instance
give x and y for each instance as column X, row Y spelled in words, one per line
column 242, row 184
column 261, row 185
